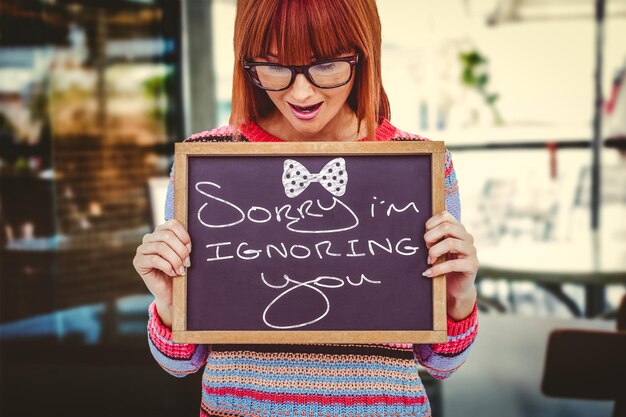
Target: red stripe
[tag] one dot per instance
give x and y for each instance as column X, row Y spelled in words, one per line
column 449, row 169
column 173, row 351
column 456, row 346
column 316, row 398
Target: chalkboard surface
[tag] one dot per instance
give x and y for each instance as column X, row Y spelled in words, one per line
column 308, row 242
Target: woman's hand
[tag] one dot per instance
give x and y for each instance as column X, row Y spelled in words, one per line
column 445, row 236
column 162, row 255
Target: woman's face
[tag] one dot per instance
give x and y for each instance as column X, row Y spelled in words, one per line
column 309, row 112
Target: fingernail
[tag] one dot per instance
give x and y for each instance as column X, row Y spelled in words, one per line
column 181, row 270
column 427, row 273
column 429, row 261
column 187, row 262
column 189, row 247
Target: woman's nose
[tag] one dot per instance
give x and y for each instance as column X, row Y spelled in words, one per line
column 302, row 89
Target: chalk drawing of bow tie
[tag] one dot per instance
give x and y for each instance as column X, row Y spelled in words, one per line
column 333, row 177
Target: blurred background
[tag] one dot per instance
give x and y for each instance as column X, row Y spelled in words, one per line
column 528, row 95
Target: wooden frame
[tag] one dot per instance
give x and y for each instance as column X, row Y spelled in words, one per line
column 183, row 151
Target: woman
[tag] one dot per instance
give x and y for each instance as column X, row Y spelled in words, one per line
column 310, row 70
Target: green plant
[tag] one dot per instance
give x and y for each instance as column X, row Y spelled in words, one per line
column 475, row 77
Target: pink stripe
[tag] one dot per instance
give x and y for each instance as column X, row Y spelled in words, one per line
column 161, row 337
column 346, row 400
column 183, row 351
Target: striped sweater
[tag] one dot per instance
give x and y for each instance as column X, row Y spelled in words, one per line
column 314, row 380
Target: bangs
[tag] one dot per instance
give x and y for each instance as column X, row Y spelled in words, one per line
column 303, row 31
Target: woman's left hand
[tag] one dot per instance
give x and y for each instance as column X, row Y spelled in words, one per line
column 446, row 236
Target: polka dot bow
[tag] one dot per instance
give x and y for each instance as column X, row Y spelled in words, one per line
column 333, row 177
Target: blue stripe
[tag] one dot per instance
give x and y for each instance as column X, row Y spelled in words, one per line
column 228, row 401
column 445, row 364
column 296, row 390
column 169, row 199
column 178, row 368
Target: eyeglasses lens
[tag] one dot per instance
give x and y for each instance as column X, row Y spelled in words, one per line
column 329, row 74
column 272, row 77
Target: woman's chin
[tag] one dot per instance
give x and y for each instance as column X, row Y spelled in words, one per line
column 306, row 127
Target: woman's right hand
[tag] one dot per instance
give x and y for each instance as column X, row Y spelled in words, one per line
column 162, row 255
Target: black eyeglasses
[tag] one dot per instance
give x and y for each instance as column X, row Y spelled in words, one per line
column 329, row 73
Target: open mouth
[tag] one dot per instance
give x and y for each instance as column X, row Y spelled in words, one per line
column 306, row 110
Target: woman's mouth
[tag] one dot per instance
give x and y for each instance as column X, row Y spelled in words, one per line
column 305, row 113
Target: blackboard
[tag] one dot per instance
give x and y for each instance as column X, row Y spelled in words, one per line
column 308, row 242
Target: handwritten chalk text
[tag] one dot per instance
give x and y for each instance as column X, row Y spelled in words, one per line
column 315, row 286
column 227, row 250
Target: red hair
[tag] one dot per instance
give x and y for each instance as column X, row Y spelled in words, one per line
column 305, row 28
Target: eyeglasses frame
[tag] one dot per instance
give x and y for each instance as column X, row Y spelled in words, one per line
column 300, row 69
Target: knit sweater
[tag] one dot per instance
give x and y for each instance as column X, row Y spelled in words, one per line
column 314, row 380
